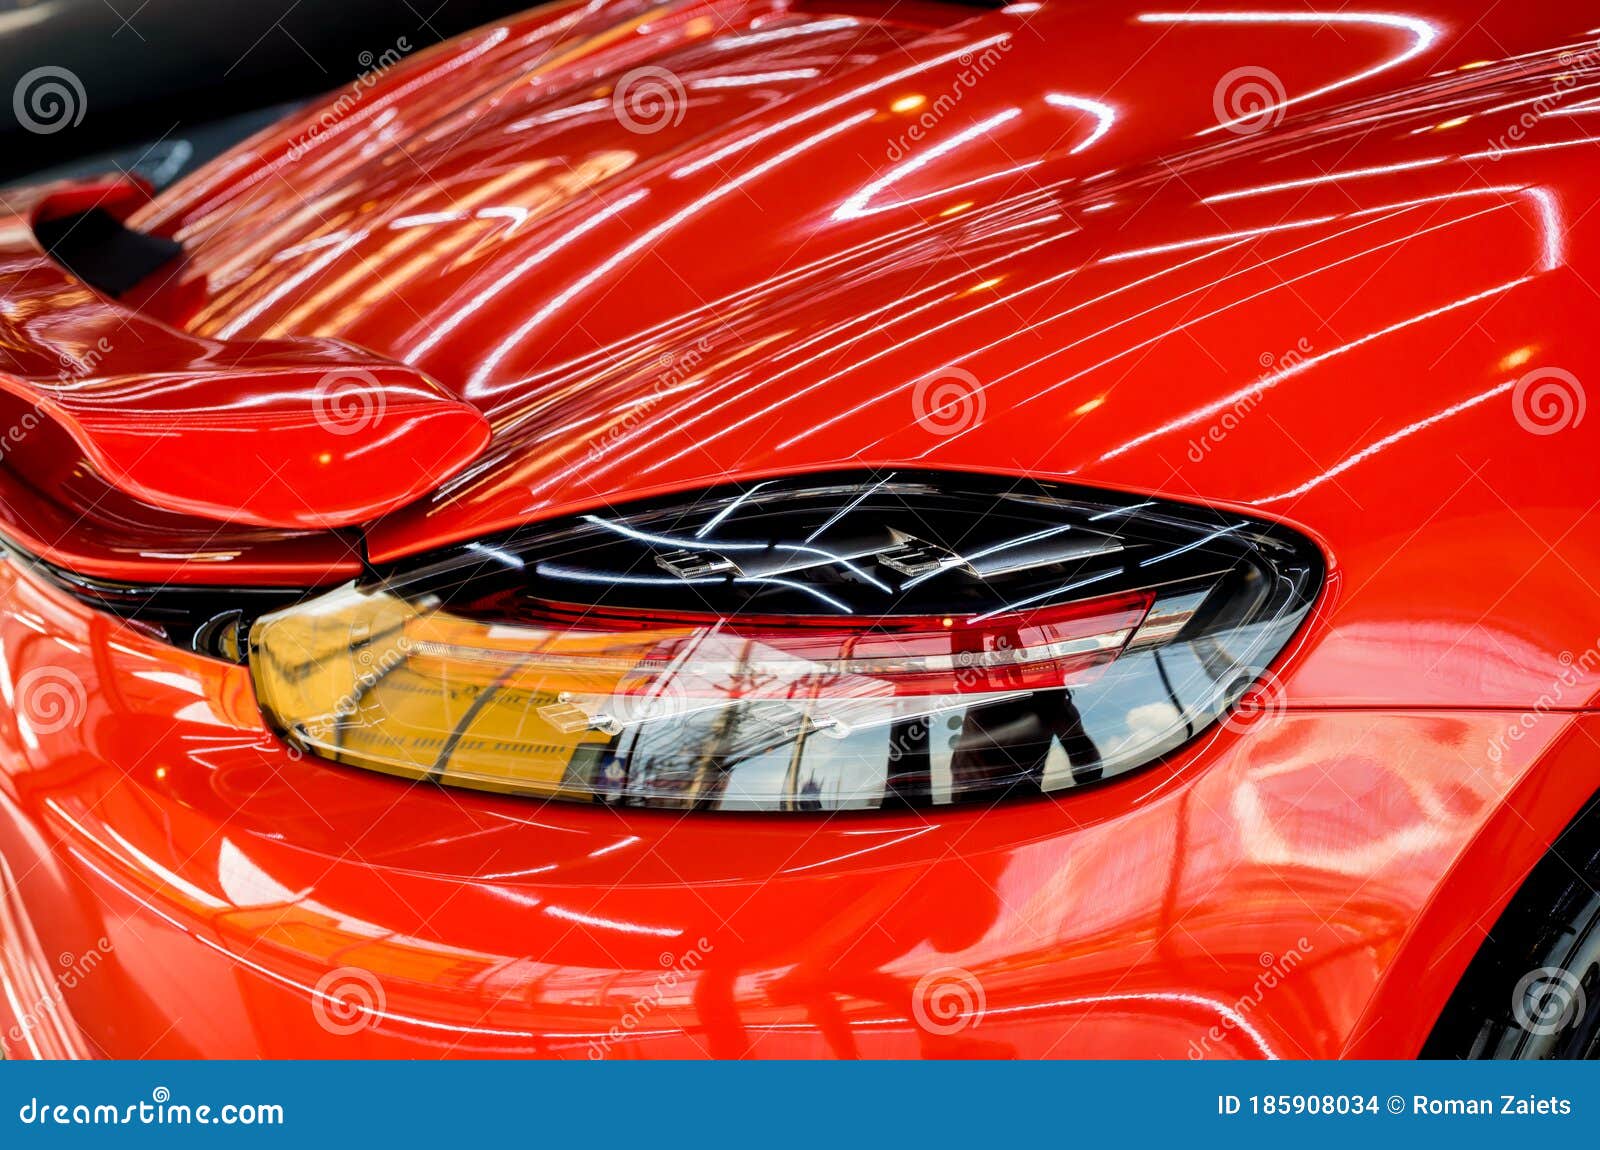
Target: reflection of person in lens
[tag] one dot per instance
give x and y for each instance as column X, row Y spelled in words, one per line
column 1004, row 747
column 858, row 951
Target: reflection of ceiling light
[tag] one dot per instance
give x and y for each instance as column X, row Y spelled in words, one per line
column 1517, row 358
column 956, row 209
column 1474, row 66
column 1455, row 123
column 908, row 103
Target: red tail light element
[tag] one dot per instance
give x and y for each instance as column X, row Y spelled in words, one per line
column 797, row 645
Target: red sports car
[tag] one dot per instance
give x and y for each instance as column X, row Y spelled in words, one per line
column 823, row 528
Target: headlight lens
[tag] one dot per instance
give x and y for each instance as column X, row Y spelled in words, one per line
column 800, row 644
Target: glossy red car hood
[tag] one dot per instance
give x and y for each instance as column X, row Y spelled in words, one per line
column 811, row 236
column 1293, row 261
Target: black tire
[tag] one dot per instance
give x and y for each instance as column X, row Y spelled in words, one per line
column 1533, row 991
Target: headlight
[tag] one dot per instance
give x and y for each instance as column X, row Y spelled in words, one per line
column 797, row 644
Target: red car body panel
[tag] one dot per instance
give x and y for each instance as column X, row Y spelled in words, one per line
column 1328, row 322
column 153, row 409
column 228, row 878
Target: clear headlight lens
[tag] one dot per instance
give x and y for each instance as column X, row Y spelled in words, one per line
column 797, row 644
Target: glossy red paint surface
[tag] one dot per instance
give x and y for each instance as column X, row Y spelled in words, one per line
column 230, row 880
column 1328, row 322
column 314, row 432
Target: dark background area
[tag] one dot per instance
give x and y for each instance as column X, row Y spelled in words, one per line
column 165, row 84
